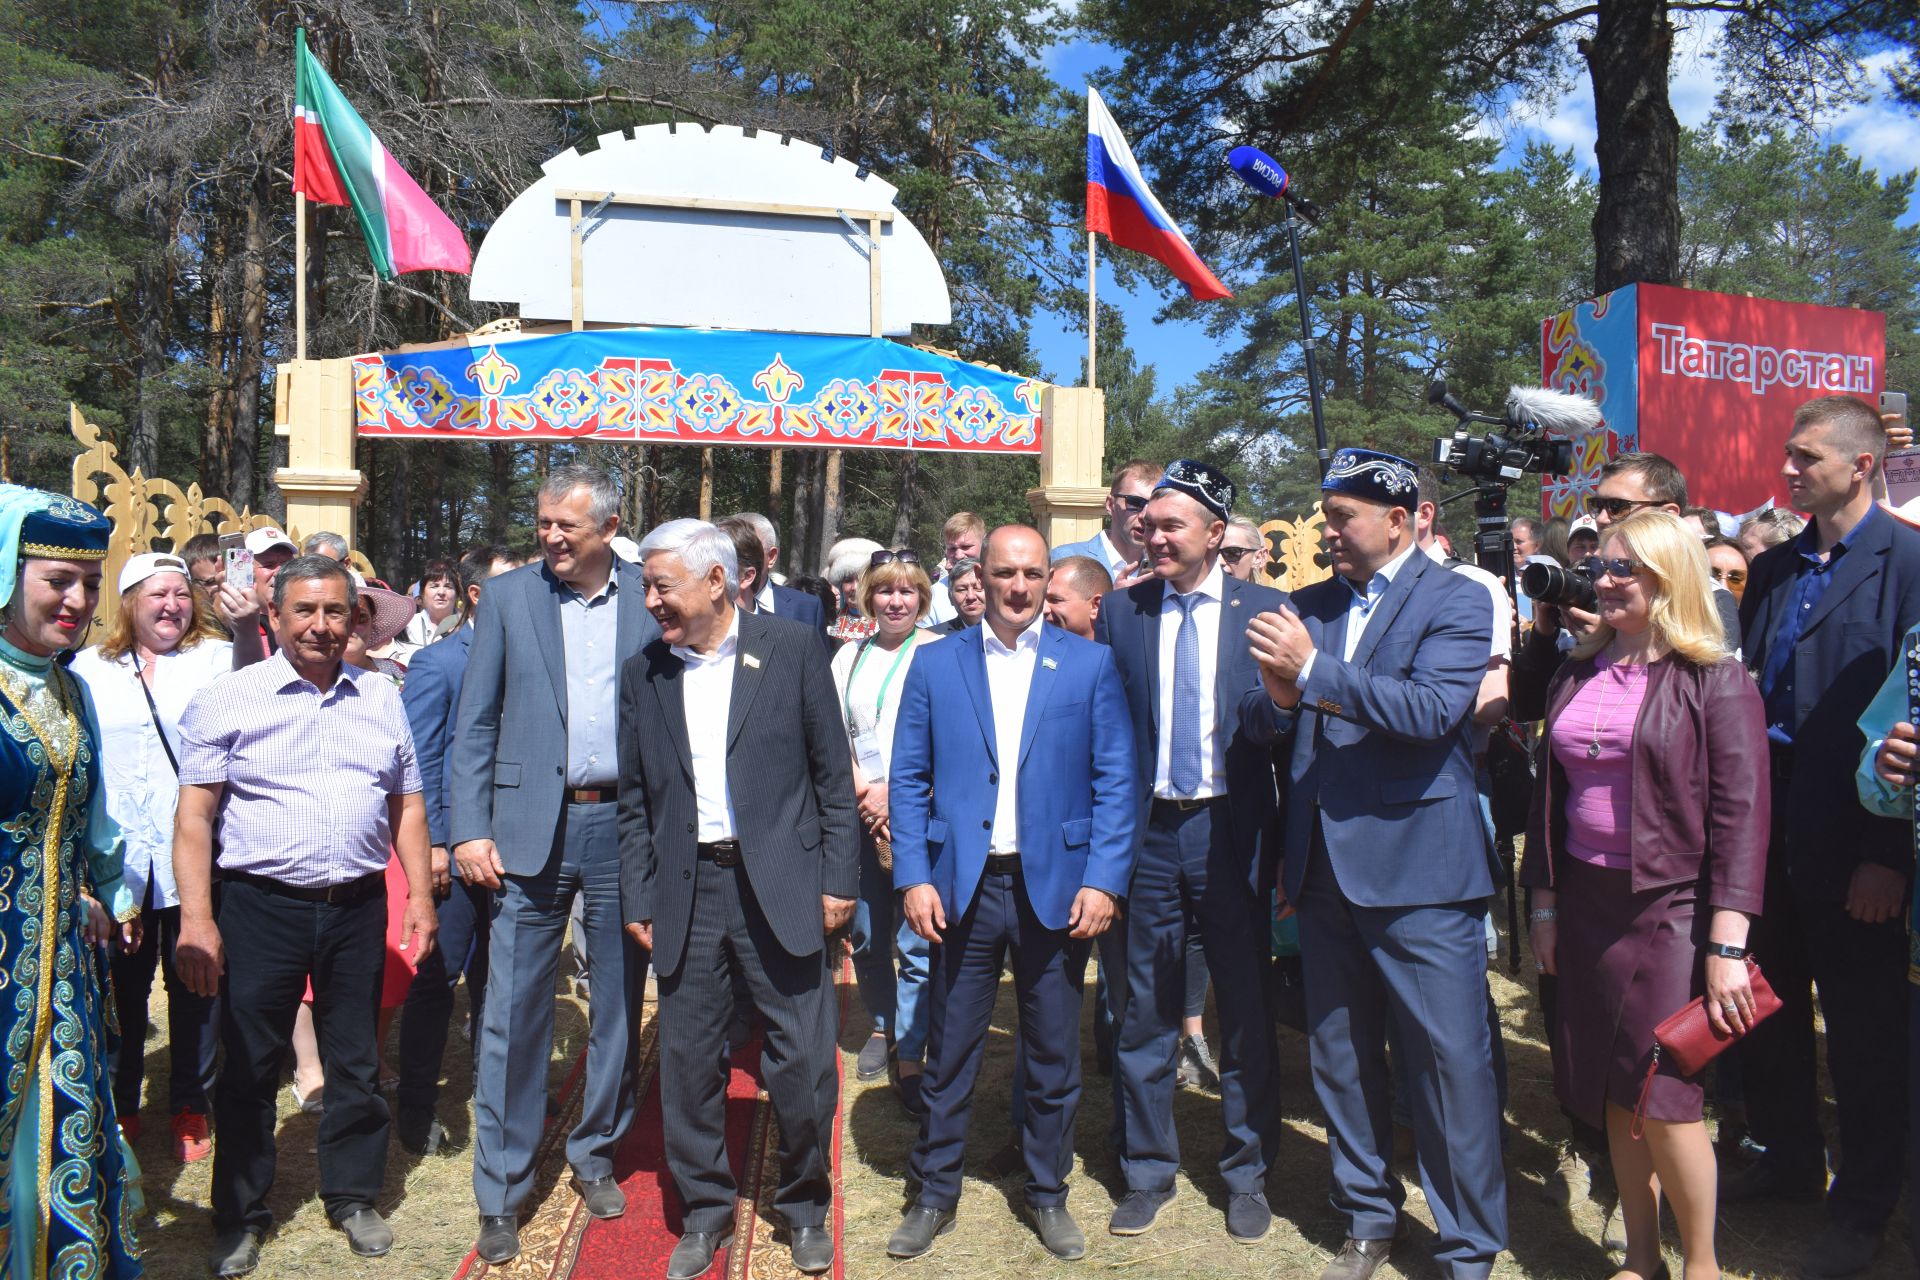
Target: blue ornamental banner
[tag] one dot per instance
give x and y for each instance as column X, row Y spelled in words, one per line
column 700, row 387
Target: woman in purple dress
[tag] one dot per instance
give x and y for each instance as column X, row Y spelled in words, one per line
column 1646, row 855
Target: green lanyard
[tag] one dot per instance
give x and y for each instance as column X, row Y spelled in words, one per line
column 880, row 704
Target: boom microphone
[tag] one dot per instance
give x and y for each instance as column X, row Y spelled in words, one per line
column 1263, row 173
column 1554, row 411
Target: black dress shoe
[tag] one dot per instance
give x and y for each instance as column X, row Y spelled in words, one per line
column 1357, row 1260
column 912, row 1099
column 418, row 1131
column 693, row 1256
column 602, row 1196
column 812, row 1249
column 915, row 1235
column 367, row 1232
column 499, row 1239
column 1058, row 1231
column 1773, row 1179
column 235, row 1253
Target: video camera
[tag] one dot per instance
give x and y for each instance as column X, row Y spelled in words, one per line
column 1501, row 459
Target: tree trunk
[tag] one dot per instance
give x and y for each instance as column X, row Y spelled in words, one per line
column 216, row 444
column 804, row 560
column 650, row 506
column 1636, row 228
column 499, row 492
column 830, row 503
column 399, row 512
column 906, row 497
column 143, row 432
column 241, row 487
column 706, row 484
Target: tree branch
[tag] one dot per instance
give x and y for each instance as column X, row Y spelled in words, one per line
column 635, row 99
column 40, row 155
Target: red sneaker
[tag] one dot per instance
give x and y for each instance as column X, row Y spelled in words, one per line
column 130, row 1127
column 191, row 1141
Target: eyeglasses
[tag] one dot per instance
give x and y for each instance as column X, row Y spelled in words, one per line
column 1232, row 555
column 1615, row 567
column 1131, row 501
column 1617, row 507
column 1732, row 577
column 883, row 556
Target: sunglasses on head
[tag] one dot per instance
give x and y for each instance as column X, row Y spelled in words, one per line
column 884, row 556
column 1617, row 507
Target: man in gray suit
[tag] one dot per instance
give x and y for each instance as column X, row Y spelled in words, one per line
column 532, row 774
column 739, row 854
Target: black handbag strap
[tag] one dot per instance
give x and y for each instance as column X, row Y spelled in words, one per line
column 154, row 711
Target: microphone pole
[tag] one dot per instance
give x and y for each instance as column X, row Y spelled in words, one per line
column 1259, row 171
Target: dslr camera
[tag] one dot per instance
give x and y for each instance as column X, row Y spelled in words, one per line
column 1562, row 585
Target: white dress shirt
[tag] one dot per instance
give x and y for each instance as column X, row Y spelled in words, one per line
column 1360, row 609
column 706, row 687
column 1009, row 681
column 1502, row 607
column 1117, row 564
column 1206, row 619
column 763, row 599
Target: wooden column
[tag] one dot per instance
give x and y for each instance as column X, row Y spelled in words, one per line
column 313, row 409
column 1070, row 503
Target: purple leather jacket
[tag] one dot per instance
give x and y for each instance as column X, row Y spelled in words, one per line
column 1701, row 798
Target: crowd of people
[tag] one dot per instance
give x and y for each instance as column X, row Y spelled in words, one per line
column 314, row 804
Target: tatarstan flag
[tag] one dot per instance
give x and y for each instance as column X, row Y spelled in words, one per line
column 337, row 160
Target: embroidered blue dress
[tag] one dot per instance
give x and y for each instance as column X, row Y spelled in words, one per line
column 70, row 1197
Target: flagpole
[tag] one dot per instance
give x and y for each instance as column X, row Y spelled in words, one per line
column 299, row 275
column 1092, row 312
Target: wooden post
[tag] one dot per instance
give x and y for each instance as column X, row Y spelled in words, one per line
column 313, row 409
column 1093, row 313
column 776, row 464
column 299, row 275
column 830, row 507
column 706, row 484
column 1070, row 503
column 579, row 271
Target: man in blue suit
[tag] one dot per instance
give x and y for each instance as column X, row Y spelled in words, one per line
column 1119, row 545
column 533, row 775
column 1013, row 829
column 432, row 695
column 1207, row 806
column 1371, row 688
column 773, row 597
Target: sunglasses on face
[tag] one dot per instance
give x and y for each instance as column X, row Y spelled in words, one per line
column 1732, row 577
column 888, row 557
column 1619, row 567
column 1617, row 507
column 1131, row 501
column 1232, row 555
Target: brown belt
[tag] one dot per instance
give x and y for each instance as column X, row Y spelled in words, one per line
column 591, row 795
column 721, row 853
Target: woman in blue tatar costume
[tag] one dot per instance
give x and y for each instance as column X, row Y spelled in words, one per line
column 70, row 1198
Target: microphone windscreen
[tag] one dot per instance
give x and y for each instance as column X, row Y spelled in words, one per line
column 1258, row 170
column 1554, row 411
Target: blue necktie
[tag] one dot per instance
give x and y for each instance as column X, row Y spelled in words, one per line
column 1183, row 761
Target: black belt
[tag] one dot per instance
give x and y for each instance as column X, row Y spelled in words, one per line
column 1171, row 809
column 339, row 895
column 591, row 795
column 721, row 853
column 1003, row 864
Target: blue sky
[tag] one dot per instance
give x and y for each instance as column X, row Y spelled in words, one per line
column 1883, row 134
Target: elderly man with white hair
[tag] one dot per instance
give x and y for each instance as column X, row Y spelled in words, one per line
column 776, row 597
column 739, row 852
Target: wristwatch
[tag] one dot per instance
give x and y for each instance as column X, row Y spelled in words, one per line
column 1726, row 950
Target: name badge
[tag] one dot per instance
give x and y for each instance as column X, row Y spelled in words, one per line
column 866, row 750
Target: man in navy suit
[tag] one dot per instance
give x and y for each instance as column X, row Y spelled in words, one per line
column 431, row 695
column 1013, row 830
column 1371, row 689
column 1206, row 799
column 772, row 597
column 1824, row 616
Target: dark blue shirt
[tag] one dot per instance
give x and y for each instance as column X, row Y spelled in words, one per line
column 1812, row 578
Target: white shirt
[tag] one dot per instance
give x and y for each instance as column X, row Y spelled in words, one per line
column 1009, row 681
column 871, row 703
column 763, row 602
column 1206, row 619
column 1117, row 564
column 1502, row 606
column 1359, row 609
column 706, row 687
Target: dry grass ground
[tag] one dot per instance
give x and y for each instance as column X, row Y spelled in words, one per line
column 430, row 1201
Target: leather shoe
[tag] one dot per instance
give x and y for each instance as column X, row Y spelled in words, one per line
column 912, row 1100
column 914, row 1237
column 1135, row 1213
column 1357, row 1260
column 812, row 1249
column 1248, row 1217
column 874, row 1054
column 499, row 1239
column 1841, row 1251
column 419, row 1132
column 602, row 1196
column 1766, row 1179
column 1058, row 1231
column 693, row 1256
column 367, row 1232
column 236, row 1253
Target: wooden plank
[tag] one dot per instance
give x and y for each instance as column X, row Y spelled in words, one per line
column 710, row 205
column 873, row 273
column 579, row 281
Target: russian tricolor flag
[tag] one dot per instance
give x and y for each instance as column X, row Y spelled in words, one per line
column 1120, row 204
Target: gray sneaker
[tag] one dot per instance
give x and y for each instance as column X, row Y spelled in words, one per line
column 1197, row 1069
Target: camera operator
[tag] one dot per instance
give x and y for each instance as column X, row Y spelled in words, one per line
column 1631, row 482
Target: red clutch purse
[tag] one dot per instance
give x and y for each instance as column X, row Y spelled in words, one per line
column 1690, row 1041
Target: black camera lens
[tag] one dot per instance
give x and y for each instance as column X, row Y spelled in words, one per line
column 1558, row 585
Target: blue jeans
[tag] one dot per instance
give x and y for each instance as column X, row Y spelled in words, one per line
column 897, row 1005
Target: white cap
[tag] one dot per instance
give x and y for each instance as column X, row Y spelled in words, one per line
column 267, row 537
column 1583, row 522
column 148, row 563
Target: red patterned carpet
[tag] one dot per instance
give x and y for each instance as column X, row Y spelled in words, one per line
column 559, row 1241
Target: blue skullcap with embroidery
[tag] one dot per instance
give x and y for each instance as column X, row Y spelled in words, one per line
column 1375, row 476
column 35, row 524
column 1206, row 485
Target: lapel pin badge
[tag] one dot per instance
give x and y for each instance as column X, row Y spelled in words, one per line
column 750, row 660
column 1049, row 663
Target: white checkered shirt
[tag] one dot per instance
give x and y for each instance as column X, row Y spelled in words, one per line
column 307, row 773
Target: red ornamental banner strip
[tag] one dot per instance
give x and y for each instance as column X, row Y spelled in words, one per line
column 700, row 387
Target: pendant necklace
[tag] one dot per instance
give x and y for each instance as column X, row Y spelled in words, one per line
column 1600, row 705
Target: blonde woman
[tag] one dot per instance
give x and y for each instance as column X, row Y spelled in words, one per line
column 1646, row 854
column 869, row 674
